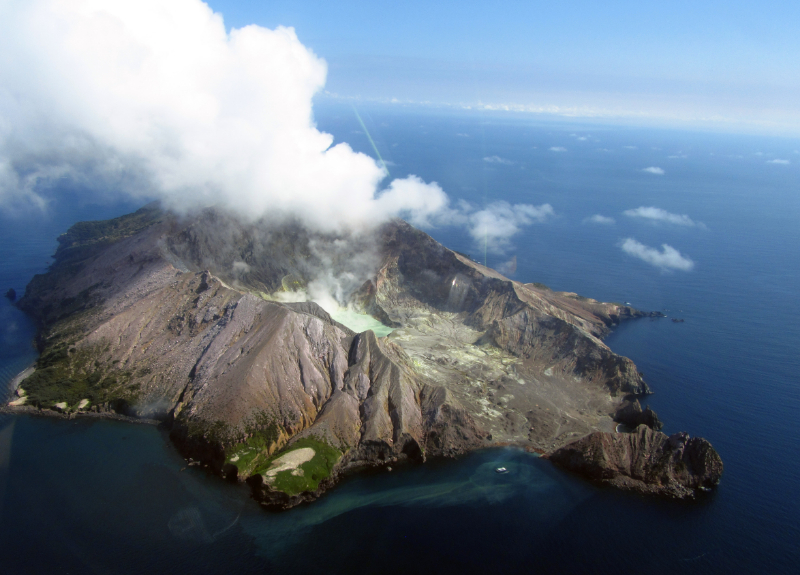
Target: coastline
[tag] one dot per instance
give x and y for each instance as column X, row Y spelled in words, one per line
column 13, row 385
column 35, row 411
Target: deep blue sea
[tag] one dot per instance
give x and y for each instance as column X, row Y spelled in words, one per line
column 108, row 497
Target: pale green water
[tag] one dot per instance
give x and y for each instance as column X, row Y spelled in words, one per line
column 359, row 322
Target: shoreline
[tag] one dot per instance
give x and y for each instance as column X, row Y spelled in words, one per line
column 35, row 411
column 13, row 385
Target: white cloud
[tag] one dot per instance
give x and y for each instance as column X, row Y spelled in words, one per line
column 667, row 259
column 600, row 219
column 781, row 162
column 631, row 147
column 154, row 98
column 508, row 268
column 558, row 149
column 494, row 225
column 497, row 160
column 657, row 214
column 654, row 170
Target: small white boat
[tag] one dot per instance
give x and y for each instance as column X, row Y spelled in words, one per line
column 501, row 470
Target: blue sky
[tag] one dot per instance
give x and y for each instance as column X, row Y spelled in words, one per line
column 733, row 65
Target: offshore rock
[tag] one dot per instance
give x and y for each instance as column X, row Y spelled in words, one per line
column 645, row 461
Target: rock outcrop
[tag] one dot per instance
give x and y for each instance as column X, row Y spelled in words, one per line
column 645, row 460
column 194, row 321
column 631, row 415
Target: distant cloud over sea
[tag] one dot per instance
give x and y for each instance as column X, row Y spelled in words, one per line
column 658, row 215
column 493, row 226
column 654, row 170
column 668, row 258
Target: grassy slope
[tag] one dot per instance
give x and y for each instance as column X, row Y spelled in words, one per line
column 253, row 459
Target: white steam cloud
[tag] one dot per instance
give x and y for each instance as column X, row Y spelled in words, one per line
column 558, row 149
column 780, row 162
column 600, row 219
column 493, row 226
column 154, row 98
column 654, row 170
column 667, row 259
column 659, row 215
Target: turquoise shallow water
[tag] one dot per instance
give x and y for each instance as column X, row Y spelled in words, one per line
column 108, row 497
column 359, row 322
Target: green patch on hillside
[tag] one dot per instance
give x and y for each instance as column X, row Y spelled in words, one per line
column 64, row 373
column 313, row 471
column 254, row 451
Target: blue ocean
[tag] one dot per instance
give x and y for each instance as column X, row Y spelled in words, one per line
column 108, row 497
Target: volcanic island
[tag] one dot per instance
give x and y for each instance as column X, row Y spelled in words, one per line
column 198, row 322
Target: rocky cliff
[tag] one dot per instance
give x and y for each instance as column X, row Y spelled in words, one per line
column 195, row 321
column 647, row 461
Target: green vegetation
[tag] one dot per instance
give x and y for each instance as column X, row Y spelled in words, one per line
column 254, row 451
column 541, row 286
column 314, row 471
column 65, row 373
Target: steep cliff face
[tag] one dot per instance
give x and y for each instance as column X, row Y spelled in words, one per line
column 189, row 320
column 647, row 461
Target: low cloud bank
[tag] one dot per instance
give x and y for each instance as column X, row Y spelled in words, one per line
column 654, row 170
column 493, row 226
column 658, row 215
column 155, row 99
column 667, row 259
column 600, row 219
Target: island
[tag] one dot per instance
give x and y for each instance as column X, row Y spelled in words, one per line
column 205, row 323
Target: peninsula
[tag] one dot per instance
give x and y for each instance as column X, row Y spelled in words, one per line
column 205, row 323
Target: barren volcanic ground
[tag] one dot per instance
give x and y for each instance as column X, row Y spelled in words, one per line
column 200, row 322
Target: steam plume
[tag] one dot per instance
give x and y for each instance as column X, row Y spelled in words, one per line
column 155, row 98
